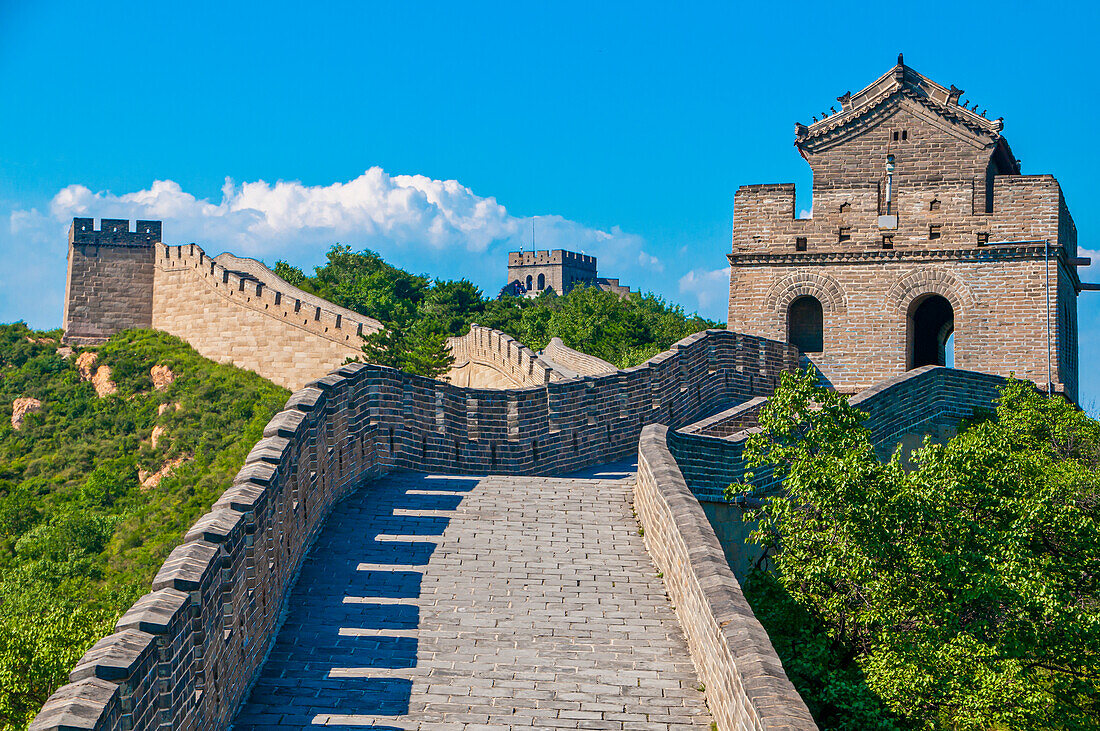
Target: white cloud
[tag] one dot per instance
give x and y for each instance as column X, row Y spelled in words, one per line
column 650, row 262
column 806, row 213
column 439, row 227
column 1092, row 271
column 711, row 288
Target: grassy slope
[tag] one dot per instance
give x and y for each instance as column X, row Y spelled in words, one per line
column 79, row 538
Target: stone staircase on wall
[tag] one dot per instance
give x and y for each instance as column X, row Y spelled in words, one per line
column 185, row 655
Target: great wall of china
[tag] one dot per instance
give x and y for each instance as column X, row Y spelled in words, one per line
column 378, row 452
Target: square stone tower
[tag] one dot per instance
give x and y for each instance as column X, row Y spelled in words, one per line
column 559, row 270
column 925, row 240
column 110, row 280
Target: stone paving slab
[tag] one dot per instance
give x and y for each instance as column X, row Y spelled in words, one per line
column 445, row 602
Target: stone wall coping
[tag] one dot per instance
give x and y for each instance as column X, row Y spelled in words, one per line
column 574, row 361
column 284, row 424
column 722, row 416
column 725, row 638
column 155, row 612
column 115, row 656
column 77, row 706
column 187, row 566
column 216, row 598
column 243, row 497
column 269, row 449
column 217, row 526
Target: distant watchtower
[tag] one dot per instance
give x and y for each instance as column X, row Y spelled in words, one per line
column 110, row 279
column 924, row 239
column 534, row 272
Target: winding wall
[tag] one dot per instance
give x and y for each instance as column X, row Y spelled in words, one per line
column 185, row 654
column 487, row 358
column 583, row 364
column 697, row 540
column 237, row 311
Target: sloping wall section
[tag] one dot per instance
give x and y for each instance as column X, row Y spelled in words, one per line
column 185, row 654
column 237, row 311
column 566, row 358
column 697, row 539
column 487, row 358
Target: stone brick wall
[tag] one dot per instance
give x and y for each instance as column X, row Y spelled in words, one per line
column 699, row 542
column 186, row 653
column 730, row 422
column 574, row 360
column 560, row 269
column 237, row 311
column 966, row 225
column 745, row 685
column 487, row 358
column 927, row 400
column 109, row 286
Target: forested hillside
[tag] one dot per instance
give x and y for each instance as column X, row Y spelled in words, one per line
column 96, row 490
column 421, row 313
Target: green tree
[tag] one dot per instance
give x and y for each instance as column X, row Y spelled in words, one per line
column 961, row 587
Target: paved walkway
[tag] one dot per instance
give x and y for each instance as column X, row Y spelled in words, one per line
column 480, row 603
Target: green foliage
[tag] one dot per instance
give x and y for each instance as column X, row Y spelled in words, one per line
column 80, row 539
column 960, row 590
column 420, row 314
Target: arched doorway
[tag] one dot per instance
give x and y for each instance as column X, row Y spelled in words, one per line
column 806, row 324
column 529, row 280
column 931, row 327
column 542, row 282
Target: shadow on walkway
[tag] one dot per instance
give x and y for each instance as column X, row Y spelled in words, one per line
column 343, row 655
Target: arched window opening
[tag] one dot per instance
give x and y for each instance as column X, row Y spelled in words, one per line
column 542, row 282
column 805, row 325
column 931, row 330
column 529, row 280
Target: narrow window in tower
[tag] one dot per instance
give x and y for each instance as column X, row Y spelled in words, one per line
column 904, row 135
column 845, row 234
column 845, row 207
column 934, row 205
column 800, row 243
column 934, row 231
column 896, row 135
column 887, row 241
column 983, row 239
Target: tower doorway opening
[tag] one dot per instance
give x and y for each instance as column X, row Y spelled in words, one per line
column 931, row 332
column 805, row 325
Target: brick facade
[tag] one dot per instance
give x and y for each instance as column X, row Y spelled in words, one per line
column 184, row 655
column 229, row 309
column 110, row 278
column 560, row 270
column 963, row 224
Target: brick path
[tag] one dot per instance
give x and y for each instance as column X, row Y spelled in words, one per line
column 480, row 603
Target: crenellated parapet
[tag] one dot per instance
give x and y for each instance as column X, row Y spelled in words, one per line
column 561, row 355
column 237, row 310
column 487, row 358
column 230, row 309
column 698, row 541
column 185, row 654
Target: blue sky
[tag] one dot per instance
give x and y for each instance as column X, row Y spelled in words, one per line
column 435, row 133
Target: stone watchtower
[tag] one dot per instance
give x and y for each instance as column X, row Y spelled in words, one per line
column 924, row 239
column 559, row 270
column 110, row 280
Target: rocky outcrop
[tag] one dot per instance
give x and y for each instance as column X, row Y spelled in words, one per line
column 99, row 376
column 20, row 408
column 149, row 480
column 162, row 377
